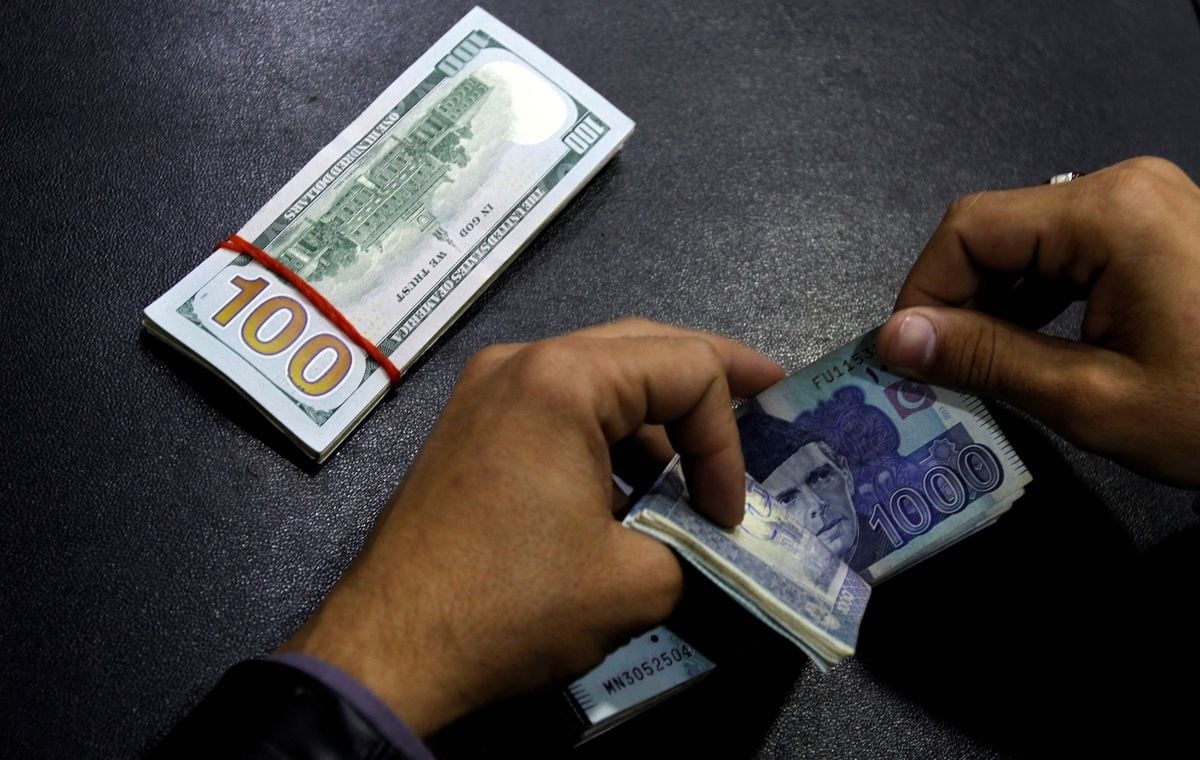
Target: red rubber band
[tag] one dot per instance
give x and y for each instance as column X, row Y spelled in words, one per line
column 239, row 244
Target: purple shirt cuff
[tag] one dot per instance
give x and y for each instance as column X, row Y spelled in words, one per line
column 360, row 697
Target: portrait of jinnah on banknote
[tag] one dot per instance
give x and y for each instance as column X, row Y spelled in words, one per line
column 882, row 469
column 811, row 482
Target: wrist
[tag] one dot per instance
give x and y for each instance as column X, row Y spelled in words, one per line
column 372, row 640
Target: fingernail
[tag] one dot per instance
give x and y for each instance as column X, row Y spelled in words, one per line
column 915, row 343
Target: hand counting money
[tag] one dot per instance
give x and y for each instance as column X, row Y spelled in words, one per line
column 399, row 223
column 853, row 474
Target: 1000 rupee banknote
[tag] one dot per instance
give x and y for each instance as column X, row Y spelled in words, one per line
column 883, row 469
column 853, row 474
column 400, row 222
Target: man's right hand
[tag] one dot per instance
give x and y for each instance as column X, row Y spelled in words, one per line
column 1001, row 264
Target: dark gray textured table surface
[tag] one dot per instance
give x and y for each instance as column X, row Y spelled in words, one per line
column 789, row 161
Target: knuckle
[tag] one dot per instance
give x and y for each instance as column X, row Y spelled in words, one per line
column 485, row 360
column 704, row 358
column 961, row 208
column 551, row 370
column 635, row 322
column 705, row 352
column 1136, row 187
column 1153, row 165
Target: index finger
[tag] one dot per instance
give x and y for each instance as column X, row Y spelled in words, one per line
column 682, row 384
column 1043, row 231
column 748, row 371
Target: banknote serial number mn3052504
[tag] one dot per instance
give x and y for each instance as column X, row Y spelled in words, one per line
column 635, row 676
column 649, row 668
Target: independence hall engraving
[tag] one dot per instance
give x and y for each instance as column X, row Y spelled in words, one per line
column 393, row 191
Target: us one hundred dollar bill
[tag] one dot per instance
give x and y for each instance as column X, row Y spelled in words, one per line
column 853, row 473
column 400, row 222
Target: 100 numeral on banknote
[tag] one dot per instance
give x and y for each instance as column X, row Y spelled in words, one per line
column 400, row 223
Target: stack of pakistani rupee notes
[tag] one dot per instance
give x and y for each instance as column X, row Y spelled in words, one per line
column 853, row 473
column 400, row 222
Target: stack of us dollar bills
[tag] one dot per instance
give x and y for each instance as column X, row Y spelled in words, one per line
column 853, row 473
column 400, row 222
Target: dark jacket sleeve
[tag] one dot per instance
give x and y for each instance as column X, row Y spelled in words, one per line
column 274, row 710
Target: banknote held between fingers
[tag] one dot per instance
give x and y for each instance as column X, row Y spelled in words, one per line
column 1126, row 239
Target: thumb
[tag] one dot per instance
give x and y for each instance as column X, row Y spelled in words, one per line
column 647, row 578
column 1066, row 384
